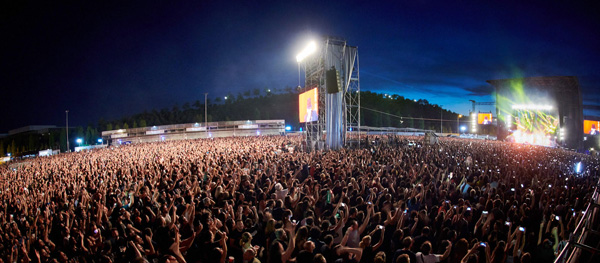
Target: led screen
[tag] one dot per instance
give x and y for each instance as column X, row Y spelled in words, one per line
column 591, row 127
column 537, row 127
column 309, row 106
column 484, row 118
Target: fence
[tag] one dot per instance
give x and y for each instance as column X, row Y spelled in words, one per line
column 583, row 245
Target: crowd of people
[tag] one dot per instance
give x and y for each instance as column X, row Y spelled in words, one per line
column 263, row 199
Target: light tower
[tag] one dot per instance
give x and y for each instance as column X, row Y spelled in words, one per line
column 331, row 66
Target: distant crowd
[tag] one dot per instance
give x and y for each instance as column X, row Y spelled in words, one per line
column 264, row 199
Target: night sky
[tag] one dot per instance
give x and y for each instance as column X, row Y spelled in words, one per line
column 113, row 60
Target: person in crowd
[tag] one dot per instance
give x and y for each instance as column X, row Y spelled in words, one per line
column 425, row 256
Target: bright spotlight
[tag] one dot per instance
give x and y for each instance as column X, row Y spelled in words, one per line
column 99, row 140
column 79, row 140
column 578, row 167
column 531, row 107
column 312, row 47
column 463, row 128
column 288, row 128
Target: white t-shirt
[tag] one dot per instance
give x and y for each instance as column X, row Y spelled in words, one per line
column 431, row 258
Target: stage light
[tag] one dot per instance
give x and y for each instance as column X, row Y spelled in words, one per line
column 257, row 132
column 99, row 140
column 79, row 140
column 463, row 128
column 312, row 47
column 288, row 128
column 531, row 107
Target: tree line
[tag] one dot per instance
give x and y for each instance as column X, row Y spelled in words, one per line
column 377, row 110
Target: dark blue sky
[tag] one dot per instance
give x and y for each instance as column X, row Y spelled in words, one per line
column 111, row 60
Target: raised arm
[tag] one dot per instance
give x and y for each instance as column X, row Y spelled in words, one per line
column 366, row 222
column 380, row 240
column 292, row 245
column 447, row 252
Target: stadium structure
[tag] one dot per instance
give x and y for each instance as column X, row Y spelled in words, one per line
column 194, row 131
column 540, row 110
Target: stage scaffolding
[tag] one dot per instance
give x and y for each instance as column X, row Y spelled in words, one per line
column 339, row 112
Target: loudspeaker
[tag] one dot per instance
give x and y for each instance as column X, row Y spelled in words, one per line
column 332, row 80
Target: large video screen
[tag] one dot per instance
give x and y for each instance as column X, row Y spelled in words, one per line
column 538, row 127
column 309, row 106
column 484, row 118
column 591, row 127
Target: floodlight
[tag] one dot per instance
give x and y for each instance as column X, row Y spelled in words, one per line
column 578, row 167
column 312, row 47
column 531, row 107
column 288, row 128
column 99, row 140
column 79, row 140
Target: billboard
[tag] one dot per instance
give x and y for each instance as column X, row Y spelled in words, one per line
column 484, row 118
column 309, row 106
column 591, row 127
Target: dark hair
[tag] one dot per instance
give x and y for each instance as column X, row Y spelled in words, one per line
column 407, row 241
column 403, row 259
column 328, row 239
column 426, row 248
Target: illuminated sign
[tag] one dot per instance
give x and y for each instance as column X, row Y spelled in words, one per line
column 484, row 118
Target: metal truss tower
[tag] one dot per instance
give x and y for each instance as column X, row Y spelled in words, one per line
column 314, row 70
column 339, row 110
